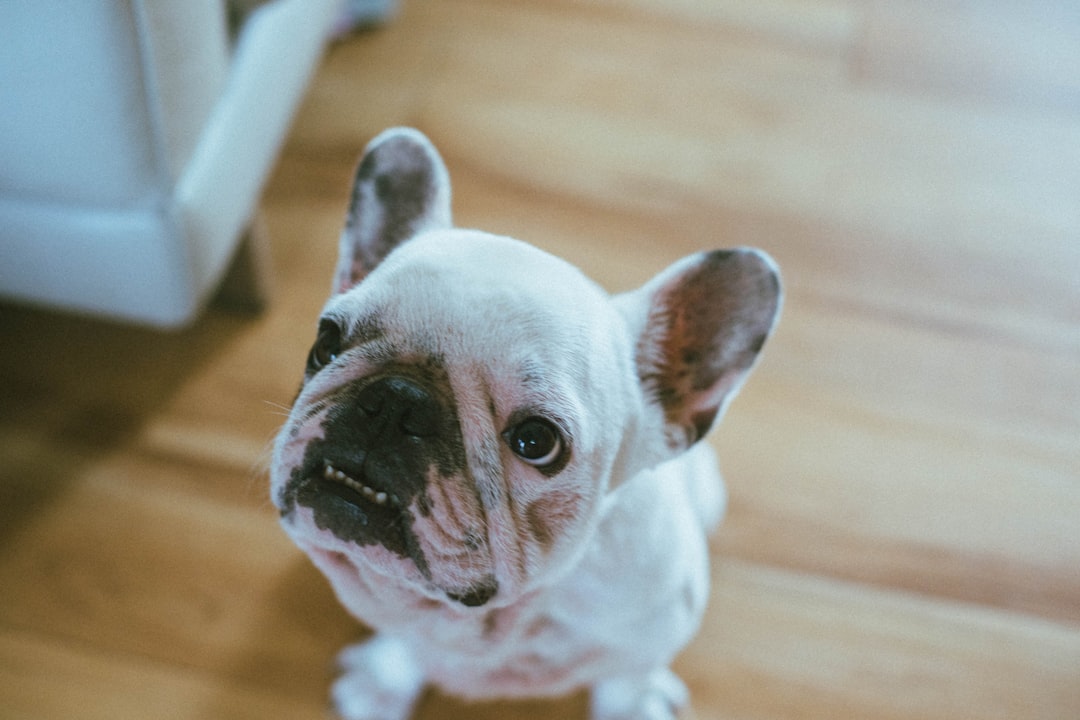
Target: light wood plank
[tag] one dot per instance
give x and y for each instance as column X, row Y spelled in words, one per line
column 997, row 52
column 792, row 646
column 179, row 564
column 902, row 539
column 51, row 679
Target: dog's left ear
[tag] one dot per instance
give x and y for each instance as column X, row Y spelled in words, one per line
column 401, row 189
column 703, row 322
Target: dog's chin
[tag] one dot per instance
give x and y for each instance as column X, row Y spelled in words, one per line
column 360, row 514
column 352, row 528
column 382, row 584
column 362, row 570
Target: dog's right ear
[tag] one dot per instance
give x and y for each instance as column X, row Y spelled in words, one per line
column 401, row 189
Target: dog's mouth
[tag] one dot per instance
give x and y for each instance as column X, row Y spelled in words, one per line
column 383, row 512
column 359, row 509
column 361, row 495
column 368, row 513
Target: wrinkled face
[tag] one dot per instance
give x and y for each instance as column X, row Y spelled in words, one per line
column 461, row 412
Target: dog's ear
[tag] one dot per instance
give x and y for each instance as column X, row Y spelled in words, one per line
column 401, row 189
column 703, row 322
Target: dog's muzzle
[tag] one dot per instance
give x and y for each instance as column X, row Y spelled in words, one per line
column 370, row 441
column 367, row 478
column 372, row 463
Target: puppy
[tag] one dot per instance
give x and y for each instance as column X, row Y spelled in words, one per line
column 497, row 465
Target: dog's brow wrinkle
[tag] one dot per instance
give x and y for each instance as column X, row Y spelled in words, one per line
column 487, row 474
column 484, row 463
column 367, row 328
column 531, row 373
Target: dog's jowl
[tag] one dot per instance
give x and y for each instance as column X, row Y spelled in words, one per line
column 498, row 465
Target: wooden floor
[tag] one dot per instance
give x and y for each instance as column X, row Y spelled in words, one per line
column 904, row 468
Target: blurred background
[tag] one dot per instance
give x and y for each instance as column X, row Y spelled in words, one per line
column 903, row 539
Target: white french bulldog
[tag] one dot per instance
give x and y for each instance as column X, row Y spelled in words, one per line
column 496, row 464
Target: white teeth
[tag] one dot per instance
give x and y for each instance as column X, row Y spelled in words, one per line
column 377, row 497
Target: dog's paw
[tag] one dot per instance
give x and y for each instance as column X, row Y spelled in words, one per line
column 659, row 695
column 380, row 680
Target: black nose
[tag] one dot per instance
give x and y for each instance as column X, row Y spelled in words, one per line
column 396, row 406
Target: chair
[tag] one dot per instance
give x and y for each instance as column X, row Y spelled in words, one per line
column 135, row 139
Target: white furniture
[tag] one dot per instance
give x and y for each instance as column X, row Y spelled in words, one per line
column 134, row 143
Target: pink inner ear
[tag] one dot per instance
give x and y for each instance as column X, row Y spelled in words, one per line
column 401, row 187
column 714, row 317
column 699, row 374
column 710, row 404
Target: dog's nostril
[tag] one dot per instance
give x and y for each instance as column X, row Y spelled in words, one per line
column 401, row 405
column 420, row 421
column 370, row 403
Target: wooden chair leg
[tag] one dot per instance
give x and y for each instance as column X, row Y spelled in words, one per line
column 246, row 285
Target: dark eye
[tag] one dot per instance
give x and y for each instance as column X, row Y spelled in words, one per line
column 327, row 346
column 536, row 441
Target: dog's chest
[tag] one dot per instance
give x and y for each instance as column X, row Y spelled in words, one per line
column 527, row 650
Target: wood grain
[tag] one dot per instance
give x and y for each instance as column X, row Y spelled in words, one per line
column 903, row 539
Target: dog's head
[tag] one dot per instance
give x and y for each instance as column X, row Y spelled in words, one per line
column 470, row 400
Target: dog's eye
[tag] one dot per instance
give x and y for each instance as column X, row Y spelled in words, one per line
column 326, row 348
column 536, row 441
